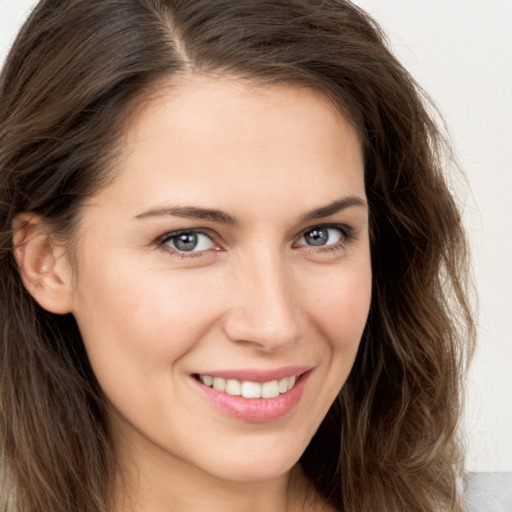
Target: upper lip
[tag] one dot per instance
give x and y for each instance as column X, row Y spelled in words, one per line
column 258, row 375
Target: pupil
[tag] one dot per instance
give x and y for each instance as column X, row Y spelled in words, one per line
column 186, row 241
column 318, row 236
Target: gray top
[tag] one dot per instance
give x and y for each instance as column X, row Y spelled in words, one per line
column 488, row 492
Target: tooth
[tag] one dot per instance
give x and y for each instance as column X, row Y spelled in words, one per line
column 233, row 387
column 270, row 389
column 283, row 385
column 251, row 389
column 206, row 380
column 291, row 382
column 219, row 384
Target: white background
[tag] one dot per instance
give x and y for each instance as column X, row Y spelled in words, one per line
column 460, row 52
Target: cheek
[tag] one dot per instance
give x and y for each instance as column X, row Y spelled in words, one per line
column 341, row 307
column 339, row 312
column 338, row 309
column 136, row 333
column 139, row 319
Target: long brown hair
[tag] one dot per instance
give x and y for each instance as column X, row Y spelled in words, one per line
column 389, row 442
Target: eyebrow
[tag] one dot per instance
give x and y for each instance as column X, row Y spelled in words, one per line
column 334, row 207
column 190, row 212
column 221, row 217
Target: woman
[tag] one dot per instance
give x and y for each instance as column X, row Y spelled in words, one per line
column 232, row 272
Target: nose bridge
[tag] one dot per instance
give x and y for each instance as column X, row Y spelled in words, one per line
column 265, row 308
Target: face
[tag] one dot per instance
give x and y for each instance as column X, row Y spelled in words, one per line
column 223, row 279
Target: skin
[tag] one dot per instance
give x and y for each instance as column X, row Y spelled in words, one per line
column 255, row 295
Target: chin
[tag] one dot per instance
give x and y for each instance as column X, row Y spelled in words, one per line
column 257, row 461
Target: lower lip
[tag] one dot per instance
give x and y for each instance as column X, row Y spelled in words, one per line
column 255, row 410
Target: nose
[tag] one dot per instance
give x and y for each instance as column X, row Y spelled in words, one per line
column 264, row 307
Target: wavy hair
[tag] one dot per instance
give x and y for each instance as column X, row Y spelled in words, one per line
column 78, row 67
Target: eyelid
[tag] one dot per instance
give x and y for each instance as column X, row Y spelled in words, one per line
column 347, row 235
column 346, row 231
column 162, row 241
column 177, row 232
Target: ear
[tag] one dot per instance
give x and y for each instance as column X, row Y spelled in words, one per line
column 43, row 264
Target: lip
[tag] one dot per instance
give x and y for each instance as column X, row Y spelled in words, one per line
column 256, row 410
column 258, row 375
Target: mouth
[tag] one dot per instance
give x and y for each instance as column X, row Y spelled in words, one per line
column 249, row 389
column 254, row 396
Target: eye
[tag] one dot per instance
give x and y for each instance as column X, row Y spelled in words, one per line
column 188, row 241
column 324, row 236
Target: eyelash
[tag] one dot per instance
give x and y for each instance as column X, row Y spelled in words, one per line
column 347, row 236
column 162, row 242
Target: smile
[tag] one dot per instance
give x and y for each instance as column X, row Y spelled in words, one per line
column 252, row 395
column 248, row 389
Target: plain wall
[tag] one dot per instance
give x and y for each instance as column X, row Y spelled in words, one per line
column 459, row 51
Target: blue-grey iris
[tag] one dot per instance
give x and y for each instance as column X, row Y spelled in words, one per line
column 317, row 236
column 185, row 241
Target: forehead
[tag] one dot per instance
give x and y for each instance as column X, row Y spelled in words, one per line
column 238, row 138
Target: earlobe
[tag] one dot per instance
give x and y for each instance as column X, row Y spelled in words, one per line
column 43, row 263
